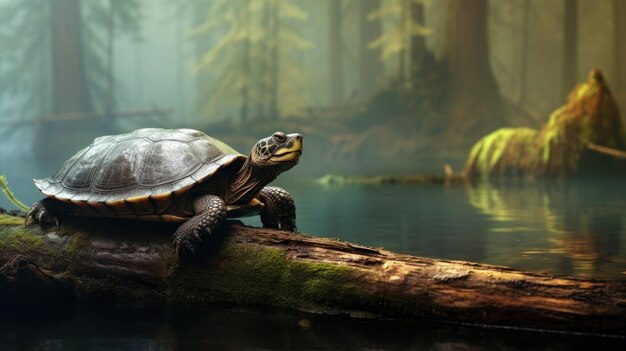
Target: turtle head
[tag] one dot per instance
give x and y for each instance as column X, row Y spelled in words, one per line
column 279, row 151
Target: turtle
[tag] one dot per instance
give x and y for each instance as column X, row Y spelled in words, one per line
column 173, row 175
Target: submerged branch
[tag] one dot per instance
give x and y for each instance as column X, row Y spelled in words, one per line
column 615, row 153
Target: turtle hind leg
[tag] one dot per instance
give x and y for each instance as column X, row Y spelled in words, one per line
column 280, row 209
column 210, row 214
column 48, row 211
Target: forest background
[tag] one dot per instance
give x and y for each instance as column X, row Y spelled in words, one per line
column 376, row 86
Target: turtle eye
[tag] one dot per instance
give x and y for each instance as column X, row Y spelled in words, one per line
column 280, row 137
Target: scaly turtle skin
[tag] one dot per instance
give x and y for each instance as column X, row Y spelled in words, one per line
column 173, row 175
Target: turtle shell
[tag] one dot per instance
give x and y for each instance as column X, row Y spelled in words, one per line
column 148, row 165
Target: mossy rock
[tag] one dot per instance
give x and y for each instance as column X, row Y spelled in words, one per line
column 590, row 116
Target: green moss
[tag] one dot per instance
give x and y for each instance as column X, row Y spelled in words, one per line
column 265, row 276
column 11, row 220
column 550, row 137
column 19, row 239
column 488, row 152
column 77, row 243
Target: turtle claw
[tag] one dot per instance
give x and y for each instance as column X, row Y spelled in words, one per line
column 187, row 245
column 287, row 225
column 40, row 214
column 29, row 215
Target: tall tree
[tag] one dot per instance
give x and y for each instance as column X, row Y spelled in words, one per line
column 569, row 76
column 399, row 40
column 25, row 71
column 62, row 41
column 418, row 42
column 473, row 92
column 619, row 37
column 251, row 63
column 370, row 67
column 76, row 54
column 70, row 90
column 335, row 52
column 524, row 54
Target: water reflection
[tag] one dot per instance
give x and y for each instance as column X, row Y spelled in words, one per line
column 573, row 227
column 232, row 328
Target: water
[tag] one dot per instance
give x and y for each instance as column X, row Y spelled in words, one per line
column 574, row 228
column 235, row 328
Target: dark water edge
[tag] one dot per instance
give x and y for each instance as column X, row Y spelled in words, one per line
column 237, row 328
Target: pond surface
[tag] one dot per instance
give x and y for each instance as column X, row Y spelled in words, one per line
column 573, row 228
column 235, row 328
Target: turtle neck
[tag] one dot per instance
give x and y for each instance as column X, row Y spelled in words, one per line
column 248, row 181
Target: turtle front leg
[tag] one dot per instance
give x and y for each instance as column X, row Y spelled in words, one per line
column 47, row 210
column 280, row 209
column 210, row 214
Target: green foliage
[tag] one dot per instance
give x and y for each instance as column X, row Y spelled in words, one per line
column 396, row 40
column 252, row 59
column 4, row 184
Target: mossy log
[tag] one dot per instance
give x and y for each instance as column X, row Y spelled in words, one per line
column 584, row 136
column 132, row 265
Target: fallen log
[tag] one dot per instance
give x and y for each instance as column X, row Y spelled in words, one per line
column 132, row 264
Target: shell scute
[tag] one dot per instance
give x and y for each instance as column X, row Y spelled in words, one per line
column 80, row 174
column 168, row 161
column 138, row 172
column 122, row 166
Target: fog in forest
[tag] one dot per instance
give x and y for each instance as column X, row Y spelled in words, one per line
column 375, row 86
column 390, row 96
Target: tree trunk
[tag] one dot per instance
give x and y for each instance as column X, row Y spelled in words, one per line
column 474, row 96
column 404, row 59
column 335, row 79
column 132, row 263
column 274, row 110
column 245, row 65
column 70, row 89
column 418, row 42
column 569, row 77
column 109, row 110
column 619, row 35
column 370, row 67
column 524, row 54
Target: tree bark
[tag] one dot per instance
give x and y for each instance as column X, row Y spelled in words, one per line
column 274, row 110
column 569, row 76
column 71, row 94
column 474, row 97
column 110, row 103
column 524, row 54
column 370, row 67
column 335, row 51
column 619, row 35
column 418, row 42
column 130, row 263
column 70, row 89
